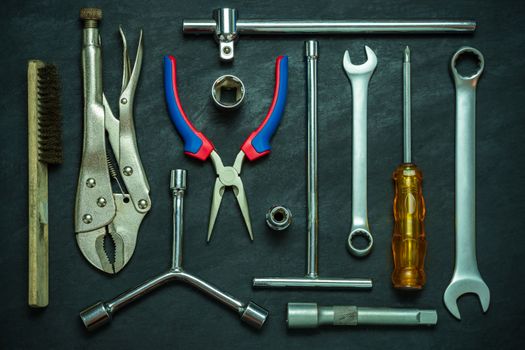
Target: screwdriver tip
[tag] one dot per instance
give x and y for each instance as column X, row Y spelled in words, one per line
column 407, row 54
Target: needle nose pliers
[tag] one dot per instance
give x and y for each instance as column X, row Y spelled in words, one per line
column 196, row 145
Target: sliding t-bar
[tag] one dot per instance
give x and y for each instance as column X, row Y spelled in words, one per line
column 226, row 27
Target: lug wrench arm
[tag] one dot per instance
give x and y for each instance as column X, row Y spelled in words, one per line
column 102, row 312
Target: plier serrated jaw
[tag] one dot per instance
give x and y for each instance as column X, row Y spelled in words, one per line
column 122, row 231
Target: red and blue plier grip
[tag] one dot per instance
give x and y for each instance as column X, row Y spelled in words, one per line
column 195, row 143
column 258, row 143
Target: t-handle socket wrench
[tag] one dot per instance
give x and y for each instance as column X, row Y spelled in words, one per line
column 226, row 27
column 466, row 278
column 312, row 278
column 102, row 312
column 359, row 76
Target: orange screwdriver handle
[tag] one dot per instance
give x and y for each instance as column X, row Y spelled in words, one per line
column 409, row 244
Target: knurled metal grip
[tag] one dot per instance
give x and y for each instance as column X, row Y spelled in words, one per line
column 90, row 16
column 310, row 315
column 344, row 316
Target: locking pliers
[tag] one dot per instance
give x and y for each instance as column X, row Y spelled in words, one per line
column 101, row 213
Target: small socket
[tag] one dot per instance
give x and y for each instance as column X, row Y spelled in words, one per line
column 95, row 316
column 278, row 218
column 178, row 180
column 228, row 92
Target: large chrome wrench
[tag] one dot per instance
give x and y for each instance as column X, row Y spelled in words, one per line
column 359, row 76
column 466, row 278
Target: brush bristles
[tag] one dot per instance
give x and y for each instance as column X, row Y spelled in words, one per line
column 49, row 118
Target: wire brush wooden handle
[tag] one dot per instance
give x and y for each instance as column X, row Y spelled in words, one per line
column 38, row 223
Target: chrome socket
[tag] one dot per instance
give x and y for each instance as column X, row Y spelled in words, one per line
column 227, row 92
column 278, row 218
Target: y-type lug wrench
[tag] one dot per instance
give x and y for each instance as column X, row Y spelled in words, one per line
column 226, row 28
column 359, row 76
column 466, row 278
column 102, row 312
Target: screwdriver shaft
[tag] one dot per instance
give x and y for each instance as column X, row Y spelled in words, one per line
column 407, row 129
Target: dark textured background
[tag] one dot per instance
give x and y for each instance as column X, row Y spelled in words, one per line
column 177, row 316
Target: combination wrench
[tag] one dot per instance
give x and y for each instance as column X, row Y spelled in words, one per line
column 359, row 76
column 466, row 277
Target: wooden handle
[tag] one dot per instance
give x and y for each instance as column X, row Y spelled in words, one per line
column 38, row 215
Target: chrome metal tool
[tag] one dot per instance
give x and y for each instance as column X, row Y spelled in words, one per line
column 312, row 278
column 359, row 76
column 226, row 28
column 227, row 92
column 102, row 312
column 100, row 213
column 310, row 315
column 279, row 217
column 466, row 278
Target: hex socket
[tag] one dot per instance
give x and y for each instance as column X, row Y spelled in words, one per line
column 95, row 316
column 227, row 92
column 254, row 315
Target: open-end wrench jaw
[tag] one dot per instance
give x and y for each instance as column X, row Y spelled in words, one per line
column 461, row 285
column 367, row 67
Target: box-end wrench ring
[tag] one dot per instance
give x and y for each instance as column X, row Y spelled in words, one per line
column 359, row 76
column 466, row 277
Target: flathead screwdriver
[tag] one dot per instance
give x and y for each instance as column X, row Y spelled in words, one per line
column 408, row 240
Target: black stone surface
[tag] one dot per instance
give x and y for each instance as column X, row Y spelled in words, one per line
column 177, row 316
